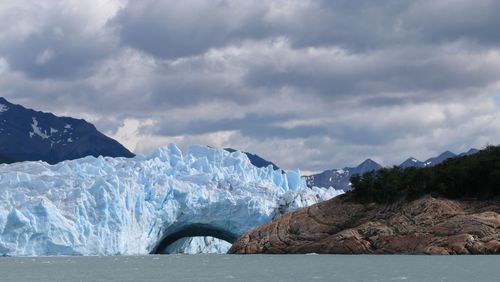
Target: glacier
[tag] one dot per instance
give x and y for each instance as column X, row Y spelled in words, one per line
column 122, row 206
column 198, row 245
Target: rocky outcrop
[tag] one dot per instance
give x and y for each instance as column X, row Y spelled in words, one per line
column 342, row 226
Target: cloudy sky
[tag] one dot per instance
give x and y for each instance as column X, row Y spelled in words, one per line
column 307, row 84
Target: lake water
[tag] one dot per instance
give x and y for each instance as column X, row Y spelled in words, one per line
column 252, row 268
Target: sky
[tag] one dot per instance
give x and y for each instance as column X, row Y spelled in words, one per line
column 306, row 84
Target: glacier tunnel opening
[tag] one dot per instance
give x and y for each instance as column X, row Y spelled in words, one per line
column 193, row 230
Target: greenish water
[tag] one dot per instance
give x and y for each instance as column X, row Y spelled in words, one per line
column 252, row 268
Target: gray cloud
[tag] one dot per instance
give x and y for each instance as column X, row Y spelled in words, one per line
column 309, row 84
column 53, row 40
column 47, row 56
column 184, row 28
column 423, row 70
column 442, row 21
column 260, row 127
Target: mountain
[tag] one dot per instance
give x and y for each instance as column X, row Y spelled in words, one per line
column 412, row 162
column 340, row 178
column 439, row 159
column 255, row 159
column 5, row 160
column 29, row 135
column 470, row 152
column 365, row 166
column 136, row 206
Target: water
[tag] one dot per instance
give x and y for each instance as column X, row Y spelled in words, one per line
column 252, row 268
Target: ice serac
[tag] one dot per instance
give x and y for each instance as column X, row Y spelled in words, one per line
column 110, row 206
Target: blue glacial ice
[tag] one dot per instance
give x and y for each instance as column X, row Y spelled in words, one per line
column 112, row 206
column 198, row 245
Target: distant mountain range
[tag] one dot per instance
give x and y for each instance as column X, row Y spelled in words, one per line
column 29, row 135
column 255, row 159
column 340, row 178
column 412, row 162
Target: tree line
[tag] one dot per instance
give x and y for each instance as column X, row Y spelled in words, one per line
column 474, row 176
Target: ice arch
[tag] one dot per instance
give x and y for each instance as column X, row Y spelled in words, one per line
column 109, row 206
column 193, row 230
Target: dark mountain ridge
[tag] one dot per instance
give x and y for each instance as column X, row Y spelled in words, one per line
column 29, row 135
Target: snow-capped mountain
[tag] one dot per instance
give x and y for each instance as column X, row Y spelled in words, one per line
column 340, row 178
column 110, row 206
column 439, row 159
column 412, row 162
column 29, row 135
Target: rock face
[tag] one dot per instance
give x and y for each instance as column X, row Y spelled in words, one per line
column 341, row 226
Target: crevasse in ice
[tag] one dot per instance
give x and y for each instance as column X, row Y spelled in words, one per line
column 110, row 206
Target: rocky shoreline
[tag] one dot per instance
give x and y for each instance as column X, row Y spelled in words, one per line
column 342, row 226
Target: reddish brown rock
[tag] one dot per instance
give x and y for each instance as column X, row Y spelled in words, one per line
column 341, row 226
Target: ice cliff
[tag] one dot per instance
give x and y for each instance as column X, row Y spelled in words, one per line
column 110, row 206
